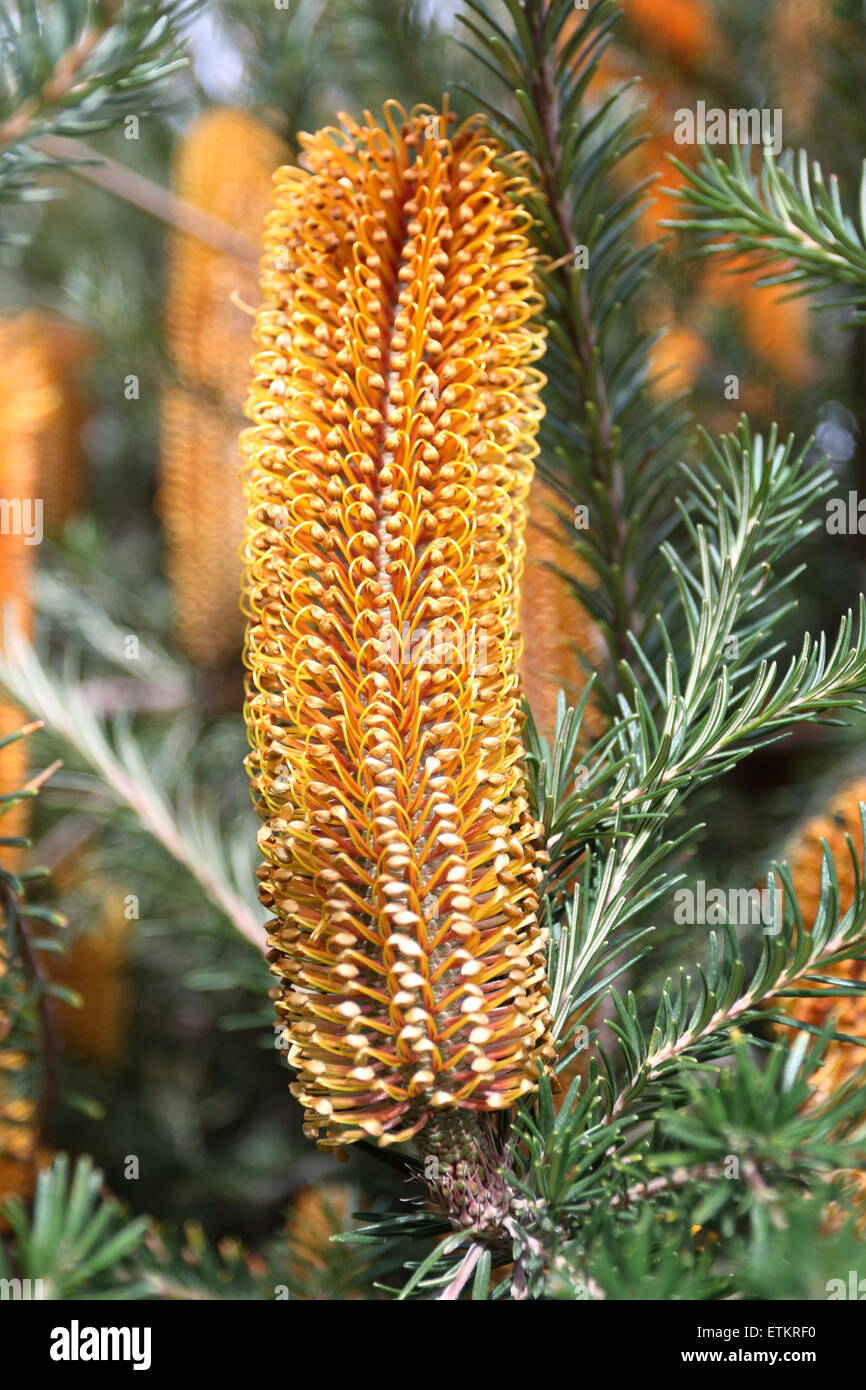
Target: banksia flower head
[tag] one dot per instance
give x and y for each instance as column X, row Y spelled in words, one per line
column 395, row 407
column 316, row 1266
column 798, row 31
column 557, row 630
column 65, row 348
column 94, row 964
column 805, row 856
column 223, row 169
column 27, row 402
column 676, row 359
column 683, row 31
column 774, row 328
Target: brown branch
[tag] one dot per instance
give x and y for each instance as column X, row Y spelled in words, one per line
column 114, row 178
column 60, row 84
column 668, row 1182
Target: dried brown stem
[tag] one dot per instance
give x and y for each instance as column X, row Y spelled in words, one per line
column 114, row 178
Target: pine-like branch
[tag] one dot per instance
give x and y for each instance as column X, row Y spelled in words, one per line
column 70, row 68
column 76, row 1237
column 192, row 838
column 788, row 216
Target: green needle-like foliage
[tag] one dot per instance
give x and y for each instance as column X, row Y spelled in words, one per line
column 787, row 215
column 75, row 1236
column 70, row 68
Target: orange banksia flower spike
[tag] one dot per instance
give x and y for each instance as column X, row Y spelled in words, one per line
column 676, row 359
column 223, row 169
column 775, row 328
column 684, row 32
column 65, row 348
column 94, row 964
column 557, row 630
column 316, row 1266
column 395, row 407
column 848, row 1015
column 805, row 856
column 27, row 402
column 798, row 31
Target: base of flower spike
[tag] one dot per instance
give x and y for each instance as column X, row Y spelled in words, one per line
column 464, row 1169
